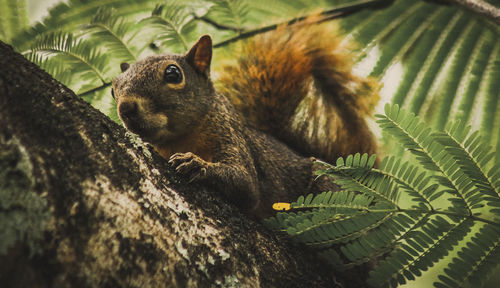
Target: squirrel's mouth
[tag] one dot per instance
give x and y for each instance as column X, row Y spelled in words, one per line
column 137, row 128
column 139, row 117
column 147, row 132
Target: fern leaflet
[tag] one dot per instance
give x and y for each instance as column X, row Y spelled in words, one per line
column 475, row 261
column 112, row 30
column 80, row 54
column 414, row 135
column 233, row 12
column 173, row 21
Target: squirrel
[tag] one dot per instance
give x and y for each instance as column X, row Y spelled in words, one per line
column 290, row 100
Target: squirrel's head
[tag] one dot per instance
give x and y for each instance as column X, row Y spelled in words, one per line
column 163, row 97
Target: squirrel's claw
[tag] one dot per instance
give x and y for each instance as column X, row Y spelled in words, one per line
column 189, row 165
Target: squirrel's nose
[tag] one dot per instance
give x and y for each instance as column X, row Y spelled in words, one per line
column 128, row 109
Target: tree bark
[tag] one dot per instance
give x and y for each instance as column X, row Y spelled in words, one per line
column 83, row 203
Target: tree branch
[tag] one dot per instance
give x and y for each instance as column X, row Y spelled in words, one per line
column 327, row 15
column 217, row 25
column 95, row 89
column 480, row 7
column 102, row 209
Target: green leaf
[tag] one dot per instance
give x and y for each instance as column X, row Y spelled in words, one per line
column 14, row 20
column 407, row 128
column 233, row 13
column 472, row 156
column 110, row 31
column 473, row 264
column 84, row 58
column 458, row 66
column 171, row 22
column 67, row 16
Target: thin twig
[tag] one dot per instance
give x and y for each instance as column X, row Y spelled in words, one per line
column 480, row 7
column 95, row 89
column 328, row 15
column 217, row 25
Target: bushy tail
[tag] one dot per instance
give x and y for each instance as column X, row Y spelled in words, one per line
column 296, row 84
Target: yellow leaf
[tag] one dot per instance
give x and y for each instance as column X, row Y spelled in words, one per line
column 281, row 206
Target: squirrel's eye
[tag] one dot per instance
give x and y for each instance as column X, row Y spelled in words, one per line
column 173, row 74
column 113, row 93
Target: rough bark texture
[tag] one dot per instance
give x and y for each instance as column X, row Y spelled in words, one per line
column 85, row 204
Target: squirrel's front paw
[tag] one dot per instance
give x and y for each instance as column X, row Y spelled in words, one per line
column 189, row 165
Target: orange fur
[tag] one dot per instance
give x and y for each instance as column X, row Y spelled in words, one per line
column 296, row 83
column 197, row 141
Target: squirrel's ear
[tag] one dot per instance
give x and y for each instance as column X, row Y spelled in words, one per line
column 124, row 66
column 200, row 54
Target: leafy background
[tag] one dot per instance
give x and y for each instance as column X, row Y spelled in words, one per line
column 438, row 61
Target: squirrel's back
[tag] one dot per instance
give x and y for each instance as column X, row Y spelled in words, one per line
column 295, row 83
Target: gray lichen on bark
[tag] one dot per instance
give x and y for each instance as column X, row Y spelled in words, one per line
column 23, row 212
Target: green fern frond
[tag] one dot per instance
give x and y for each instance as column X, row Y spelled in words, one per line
column 411, row 134
column 173, row 21
column 338, row 200
column 405, row 36
column 434, row 62
column 459, row 64
column 494, row 202
column 371, row 30
column 472, row 154
column 232, row 12
column 69, row 15
column 349, row 229
column 416, row 137
column 475, row 261
column 57, row 69
column 419, row 61
column 378, row 240
column 405, row 176
column 408, row 177
column 83, row 57
column 275, row 11
column 490, row 119
column 332, row 230
column 412, row 257
column 14, row 18
column 112, row 30
column 448, row 56
column 361, row 179
column 475, row 75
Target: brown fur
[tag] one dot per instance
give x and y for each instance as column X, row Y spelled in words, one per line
column 296, row 76
column 256, row 153
column 198, row 141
